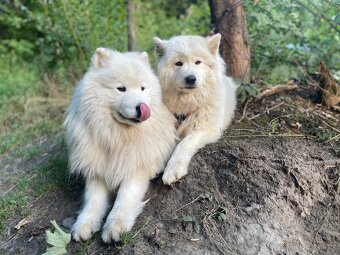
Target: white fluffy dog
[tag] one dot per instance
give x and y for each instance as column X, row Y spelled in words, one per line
column 196, row 89
column 119, row 133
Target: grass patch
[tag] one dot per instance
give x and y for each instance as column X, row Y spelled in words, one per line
column 53, row 173
column 83, row 247
column 31, row 107
column 33, row 114
column 20, row 137
column 17, row 80
column 30, row 152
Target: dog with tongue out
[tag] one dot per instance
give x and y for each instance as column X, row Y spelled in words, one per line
column 120, row 135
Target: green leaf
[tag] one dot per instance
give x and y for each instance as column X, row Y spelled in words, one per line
column 337, row 18
column 58, row 239
column 187, row 219
column 222, row 217
column 55, row 250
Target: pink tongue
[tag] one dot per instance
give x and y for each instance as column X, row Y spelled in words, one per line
column 144, row 112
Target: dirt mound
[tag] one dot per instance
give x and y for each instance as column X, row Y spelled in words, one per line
column 249, row 196
column 260, row 194
column 276, row 198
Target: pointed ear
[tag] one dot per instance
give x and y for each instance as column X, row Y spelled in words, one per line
column 159, row 47
column 214, row 43
column 99, row 57
column 144, row 55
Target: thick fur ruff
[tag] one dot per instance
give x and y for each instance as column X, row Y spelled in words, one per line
column 110, row 150
column 211, row 103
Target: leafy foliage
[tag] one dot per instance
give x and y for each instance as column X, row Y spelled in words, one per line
column 247, row 90
column 287, row 37
column 46, row 45
column 63, row 34
column 162, row 19
column 59, row 32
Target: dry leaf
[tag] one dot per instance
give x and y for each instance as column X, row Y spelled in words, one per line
column 22, row 223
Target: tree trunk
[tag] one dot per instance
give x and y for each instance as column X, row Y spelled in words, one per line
column 228, row 19
column 131, row 26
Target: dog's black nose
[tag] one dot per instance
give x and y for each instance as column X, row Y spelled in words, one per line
column 139, row 113
column 190, row 80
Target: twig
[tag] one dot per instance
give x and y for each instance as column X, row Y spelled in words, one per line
column 195, row 239
column 325, row 162
column 321, row 16
column 193, row 201
column 276, row 89
column 255, row 116
column 215, row 236
column 333, row 138
column 337, row 130
column 9, row 190
column 279, row 135
column 146, row 222
column 244, row 110
column 267, row 110
column 274, row 107
column 248, row 130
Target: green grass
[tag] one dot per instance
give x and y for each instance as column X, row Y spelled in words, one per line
column 28, row 114
column 83, row 247
column 126, row 238
column 49, row 175
column 31, row 107
column 20, row 137
column 30, row 153
column 17, row 80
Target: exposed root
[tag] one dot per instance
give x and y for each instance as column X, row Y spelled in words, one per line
column 276, row 89
column 331, row 88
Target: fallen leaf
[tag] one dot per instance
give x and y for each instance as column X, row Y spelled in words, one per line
column 22, row 223
column 222, row 217
column 59, row 240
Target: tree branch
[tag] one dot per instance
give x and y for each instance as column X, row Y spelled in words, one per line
column 320, row 16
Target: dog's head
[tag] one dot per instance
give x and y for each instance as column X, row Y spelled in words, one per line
column 125, row 83
column 186, row 61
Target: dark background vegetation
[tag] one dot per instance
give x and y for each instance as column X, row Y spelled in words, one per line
column 46, row 46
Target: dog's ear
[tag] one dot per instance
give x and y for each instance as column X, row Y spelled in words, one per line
column 159, row 47
column 99, row 57
column 145, row 56
column 214, row 43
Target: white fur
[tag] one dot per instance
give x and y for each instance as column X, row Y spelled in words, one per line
column 211, row 104
column 110, row 150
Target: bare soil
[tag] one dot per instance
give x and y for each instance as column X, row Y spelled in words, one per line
column 269, row 186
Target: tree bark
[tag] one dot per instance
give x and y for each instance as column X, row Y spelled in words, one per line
column 228, row 19
column 131, row 26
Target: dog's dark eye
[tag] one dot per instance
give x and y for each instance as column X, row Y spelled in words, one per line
column 179, row 63
column 122, row 89
column 198, row 62
column 142, row 88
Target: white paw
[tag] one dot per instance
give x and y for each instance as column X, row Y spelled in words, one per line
column 113, row 229
column 173, row 174
column 83, row 229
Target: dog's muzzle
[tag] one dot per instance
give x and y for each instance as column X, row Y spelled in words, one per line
column 190, row 82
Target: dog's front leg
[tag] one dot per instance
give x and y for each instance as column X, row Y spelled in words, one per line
column 95, row 205
column 178, row 164
column 129, row 203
